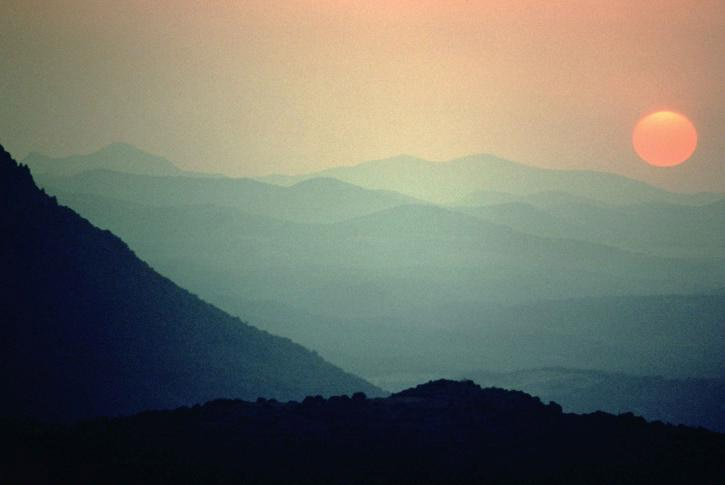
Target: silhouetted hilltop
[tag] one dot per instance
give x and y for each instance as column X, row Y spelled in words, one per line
column 88, row 329
column 692, row 402
column 467, row 391
column 442, row 430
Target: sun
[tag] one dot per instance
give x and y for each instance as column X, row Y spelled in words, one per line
column 664, row 138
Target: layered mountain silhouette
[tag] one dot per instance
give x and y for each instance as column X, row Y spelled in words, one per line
column 88, row 329
column 524, row 274
column 665, row 229
column 473, row 180
column 409, row 242
column 443, row 430
column 119, row 157
column 454, row 182
column 313, row 201
column 399, row 281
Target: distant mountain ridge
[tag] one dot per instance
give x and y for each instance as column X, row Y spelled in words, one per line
column 665, row 229
column 118, row 157
column 320, row 200
column 88, row 329
column 409, row 241
column 454, row 181
column 470, row 180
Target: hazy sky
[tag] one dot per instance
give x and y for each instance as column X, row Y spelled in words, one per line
column 257, row 87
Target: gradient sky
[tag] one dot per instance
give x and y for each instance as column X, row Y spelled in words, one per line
column 265, row 86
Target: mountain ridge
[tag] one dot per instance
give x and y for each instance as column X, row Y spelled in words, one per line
column 320, row 200
column 89, row 329
column 444, row 182
column 121, row 157
column 451, row 181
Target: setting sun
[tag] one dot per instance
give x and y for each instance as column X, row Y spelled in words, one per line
column 664, row 138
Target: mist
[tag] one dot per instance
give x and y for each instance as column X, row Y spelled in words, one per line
column 404, row 270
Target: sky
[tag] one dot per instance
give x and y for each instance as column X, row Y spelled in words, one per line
column 258, row 87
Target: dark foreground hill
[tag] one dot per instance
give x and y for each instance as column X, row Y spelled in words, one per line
column 438, row 431
column 688, row 401
column 88, row 329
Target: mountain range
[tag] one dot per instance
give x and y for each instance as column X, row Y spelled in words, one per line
column 91, row 330
column 119, row 157
column 399, row 289
column 460, row 181
column 662, row 229
column 313, row 201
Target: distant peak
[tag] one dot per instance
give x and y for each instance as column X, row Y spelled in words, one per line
column 124, row 157
column 117, row 157
column 120, row 147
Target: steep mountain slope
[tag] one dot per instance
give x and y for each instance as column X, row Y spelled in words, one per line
column 119, row 157
column 440, row 431
column 313, row 201
column 88, row 329
column 454, row 181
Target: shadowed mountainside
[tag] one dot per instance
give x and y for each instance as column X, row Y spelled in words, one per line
column 88, row 329
column 442, row 430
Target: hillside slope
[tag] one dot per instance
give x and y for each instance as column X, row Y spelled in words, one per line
column 89, row 329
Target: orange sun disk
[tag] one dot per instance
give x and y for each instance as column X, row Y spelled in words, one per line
column 664, row 138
